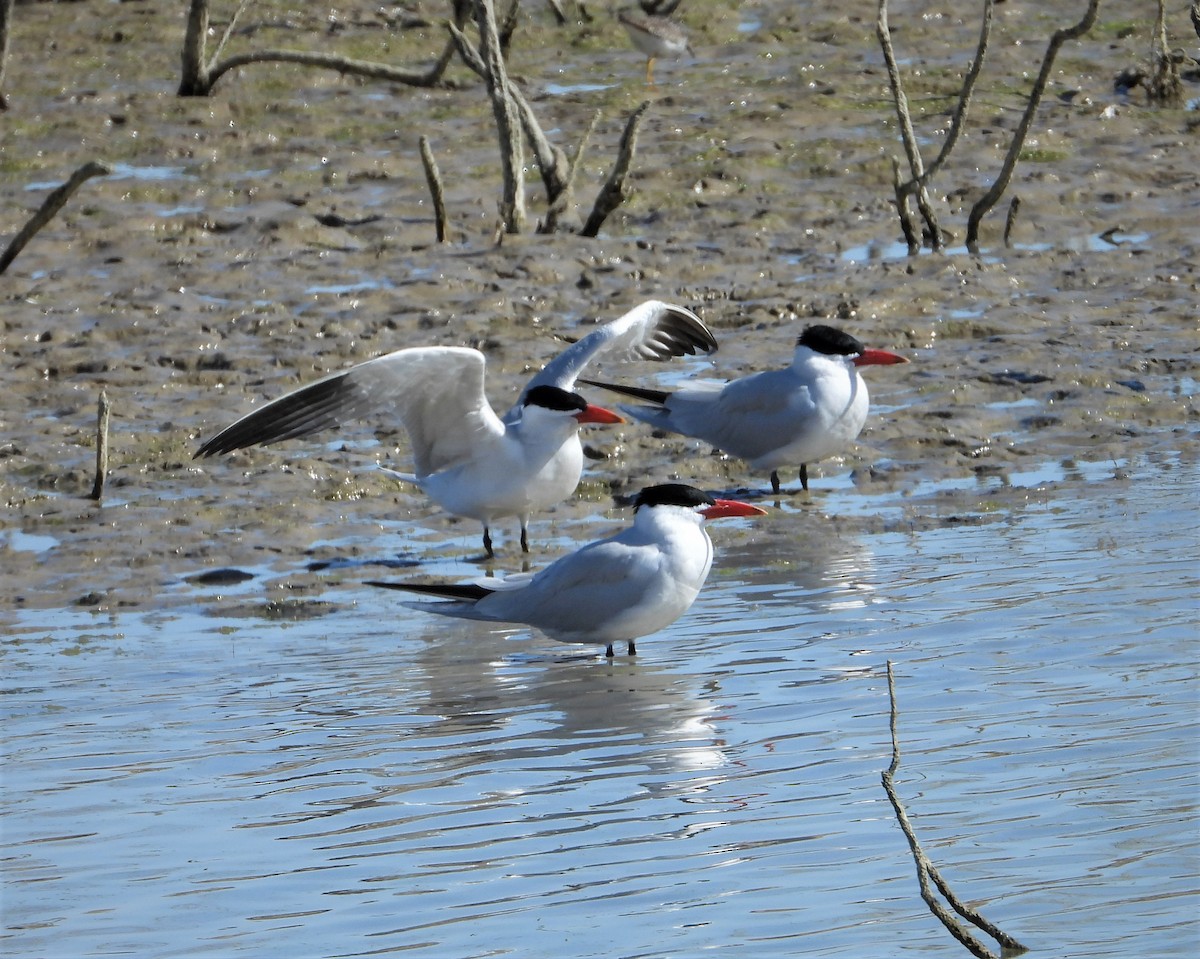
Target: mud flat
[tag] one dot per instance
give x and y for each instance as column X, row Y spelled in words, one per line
column 251, row 241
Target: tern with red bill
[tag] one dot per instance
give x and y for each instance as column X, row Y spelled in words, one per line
column 812, row 409
column 611, row 591
column 467, row 459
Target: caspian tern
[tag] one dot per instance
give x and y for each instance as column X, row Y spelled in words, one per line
column 467, row 459
column 812, row 409
column 612, row 590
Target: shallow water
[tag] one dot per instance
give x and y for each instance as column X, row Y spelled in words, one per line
column 373, row 781
column 295, row 765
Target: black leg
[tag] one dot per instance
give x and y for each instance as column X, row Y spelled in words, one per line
column 804, row 476
column 608, row 652
column 524, row 539
column 775, row 482
column 632, row 648
column 487, row 543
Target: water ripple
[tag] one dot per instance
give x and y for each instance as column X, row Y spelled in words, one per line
column 363, row 784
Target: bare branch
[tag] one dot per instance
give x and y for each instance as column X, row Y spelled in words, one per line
column 508, row 26
column 194, row 80
column 506, row 112
column 50, row 206
column 6, row 7
column 556, row 170
column 613, row 194
column 200, row 75
column 907, row 135
column 964, row 96
column 1011, row 220
column 926, row 870
column 434, row 179
column 103, row 411
column 1165, row 84
column 229, row 28
column 911, row 236
column 330, row 61
column 992, row 196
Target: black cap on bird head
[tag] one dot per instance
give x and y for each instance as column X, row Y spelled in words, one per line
column 553, row 398
column 829, row 340
column 672, row 494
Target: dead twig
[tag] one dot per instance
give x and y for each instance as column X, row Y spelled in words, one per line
column 200, row 72
column 1165, row 86
column 614, row 193
column 560, row 205
column 556, row 170
column 507, row 115
column 912, row 235
column 926, row 871
column 1011, row 220
column 434, row 179
column 996, row 190
column 50, row 206
column 908, row 138
column 103, row 410
column 5, row 19
column 964, row 95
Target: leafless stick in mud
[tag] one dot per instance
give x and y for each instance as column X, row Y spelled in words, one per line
column 912, row 235
column 907, row 135
column 964, row 95
column 926, row 871
column 507, row 26
column 614, row 192
column 103, row 411
column 508, row 121
column 50, row 206
column 996, row 190
column 560, row 205
column 200, row 72
column 1011, row 220
column 6, row 7
column 434, row 179
column 1165, row 84
column 557, row 170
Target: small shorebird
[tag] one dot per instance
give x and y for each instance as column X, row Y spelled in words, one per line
column 470, row 461
column 612, row 590
column 656, row 37
column 811, row 409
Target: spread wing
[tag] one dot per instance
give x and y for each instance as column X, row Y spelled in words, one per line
column 435, row 391
column 653, row 331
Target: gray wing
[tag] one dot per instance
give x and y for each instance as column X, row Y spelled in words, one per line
column 653, row 331
column 436, row 392
column 748, row 417
column 581, row 589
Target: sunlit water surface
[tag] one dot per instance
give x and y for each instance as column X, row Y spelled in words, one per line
column 377, row 782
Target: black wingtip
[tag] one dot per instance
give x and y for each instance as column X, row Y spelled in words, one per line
column 637, row 392
column 468, row 592
column 690, row 331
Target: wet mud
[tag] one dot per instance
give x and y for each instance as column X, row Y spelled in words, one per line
column 249, row 242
